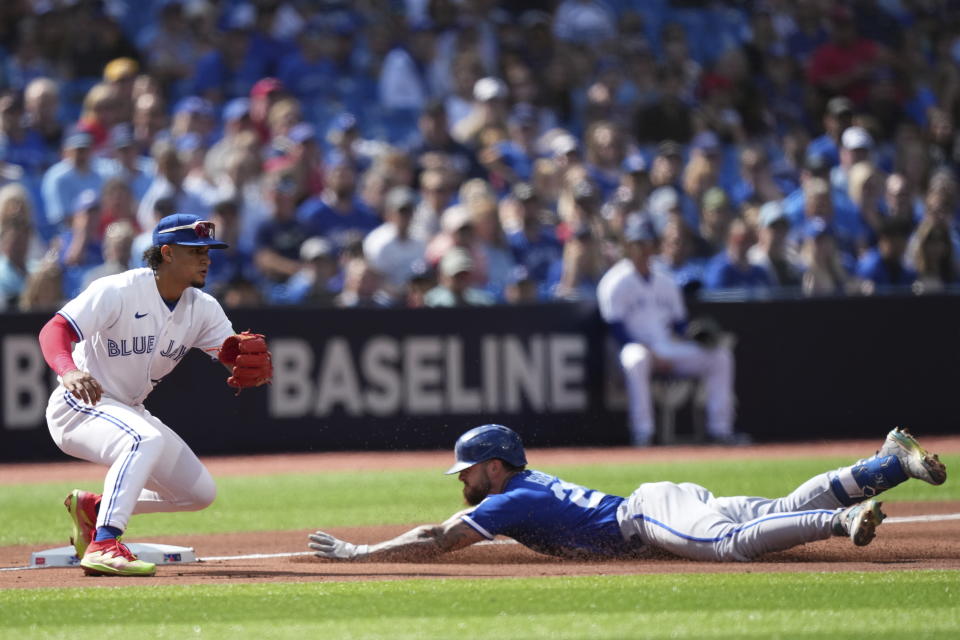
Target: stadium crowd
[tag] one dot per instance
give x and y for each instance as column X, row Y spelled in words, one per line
column 449, row 152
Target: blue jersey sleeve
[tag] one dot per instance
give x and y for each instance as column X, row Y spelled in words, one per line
column 495, row 515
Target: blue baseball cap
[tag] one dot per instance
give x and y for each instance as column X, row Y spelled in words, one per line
column 816, row 227
column 639, row 229
column 194, row 104
column 188, row 230
column 302, row 132
column 236, row 109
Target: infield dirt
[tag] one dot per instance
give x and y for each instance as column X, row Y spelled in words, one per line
column 900, row 546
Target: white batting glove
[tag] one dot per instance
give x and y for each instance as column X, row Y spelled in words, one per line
column 326, row 546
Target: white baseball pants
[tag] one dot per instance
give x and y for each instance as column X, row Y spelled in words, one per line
column 715, row 366
column 688, row 521
column 151, row 468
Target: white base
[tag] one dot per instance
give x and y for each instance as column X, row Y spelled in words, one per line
column 146, row 551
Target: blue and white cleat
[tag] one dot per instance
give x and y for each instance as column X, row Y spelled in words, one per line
column 860, row 521
column 915, row 460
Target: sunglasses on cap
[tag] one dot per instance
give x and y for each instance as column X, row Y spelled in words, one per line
column 202, row 228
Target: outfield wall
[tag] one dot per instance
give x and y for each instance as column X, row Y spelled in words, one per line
column 402, row 379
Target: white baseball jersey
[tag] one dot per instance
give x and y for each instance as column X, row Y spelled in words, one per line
column 647, row 307
column 130, row 339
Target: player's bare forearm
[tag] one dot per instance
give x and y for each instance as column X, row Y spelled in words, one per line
column 425, row 542
column 417, row 545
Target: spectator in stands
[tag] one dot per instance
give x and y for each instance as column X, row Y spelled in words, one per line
column 731, row 269
column 535, row 245
column 490, row 109
column 576, row 275
column 64, row 181
column 844, row 65
column 362, row 286
column 521, row 287
column 836, row 118
column 149, row 120
column 234, row 262
column 16, row 234
column 193, row 115
column 899, row 201
column 278, row 239
column 755, row 183
column 771, row 252
column 824, row 272
column 345, row 143
column 307, row 72
column 168, row 183
column 436, row 194
column 435, row 138
column 117, row 242
column 454, row 289
column 605, row 152
column 678, row 256
column 338, row 213
column 19, row 144
column 883, row 267
column 644, row 311
column 313, row 284
column 41, row 100
column 389, row 248
column 117, row 204
column 491, row 242
column 44, row 289
column 80, row 246
column 856, row 145
column 125, row 162
column 120, row 74
column 230, row 70
column 933, row 258
column 669, row 116
column 422, row 278
column 101, row 111
column 236, row 120
column 405, row 77
column 303, row 158
column 865, row 184
column 170, row 47
column 584, row 23
column 162, row 208
column 715, row 219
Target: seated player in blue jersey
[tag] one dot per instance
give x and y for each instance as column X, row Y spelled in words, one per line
column 558, row 518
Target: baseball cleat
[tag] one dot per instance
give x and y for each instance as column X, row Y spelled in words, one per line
column 82, row 507
column 113, row 558
column 914, row 459
column 860, row 521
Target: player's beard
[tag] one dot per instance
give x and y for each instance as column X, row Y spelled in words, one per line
column 474, row 495
column 198, row 282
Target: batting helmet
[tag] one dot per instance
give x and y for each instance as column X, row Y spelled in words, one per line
column 485, row 443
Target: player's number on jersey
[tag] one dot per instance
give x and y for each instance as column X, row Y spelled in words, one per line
column 577, row 494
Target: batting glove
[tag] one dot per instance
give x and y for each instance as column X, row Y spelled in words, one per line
column 326, row 546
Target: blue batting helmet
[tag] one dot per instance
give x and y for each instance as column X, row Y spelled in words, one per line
column 485, row 443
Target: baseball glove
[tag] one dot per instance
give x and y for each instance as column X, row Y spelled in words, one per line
column 704, row 331
column 249, row 359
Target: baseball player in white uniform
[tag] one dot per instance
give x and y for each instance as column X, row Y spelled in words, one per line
column 644, row 309
column 130, row 330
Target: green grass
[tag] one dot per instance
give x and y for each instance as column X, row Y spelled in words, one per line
column 325, row 499
column 917, row 604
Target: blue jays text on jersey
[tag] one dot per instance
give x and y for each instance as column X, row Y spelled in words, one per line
column 137, row 345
